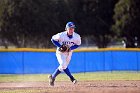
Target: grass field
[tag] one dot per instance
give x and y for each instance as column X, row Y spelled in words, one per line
column 80, row 76
column 99, row 82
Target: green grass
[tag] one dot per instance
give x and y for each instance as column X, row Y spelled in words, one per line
column 79, row 76
column 109, row 76
column 63, row 77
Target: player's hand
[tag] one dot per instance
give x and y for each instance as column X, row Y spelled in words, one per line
column 64, row 48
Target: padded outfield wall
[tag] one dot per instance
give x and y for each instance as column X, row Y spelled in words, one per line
column 32, row 61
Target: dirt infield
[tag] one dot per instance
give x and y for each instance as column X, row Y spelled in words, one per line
column 68, row 87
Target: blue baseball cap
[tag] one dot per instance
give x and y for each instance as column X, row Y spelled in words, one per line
column 70, row 25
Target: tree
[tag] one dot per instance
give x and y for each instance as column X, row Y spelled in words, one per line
column 22, row 21
column 127, row 16
column 31, row 23
column 94, row 19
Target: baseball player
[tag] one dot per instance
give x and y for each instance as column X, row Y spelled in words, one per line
column 65, row 42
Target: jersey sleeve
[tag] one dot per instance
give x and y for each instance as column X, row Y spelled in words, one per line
column 57, row 37
column 56, row 43
column 78, row 42
column 74, row 47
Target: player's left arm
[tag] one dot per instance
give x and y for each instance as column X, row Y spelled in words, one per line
column 74, row 47
column 78, row 43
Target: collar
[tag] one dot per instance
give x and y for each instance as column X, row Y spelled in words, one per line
column 70, row 36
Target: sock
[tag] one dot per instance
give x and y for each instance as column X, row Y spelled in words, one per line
column 68, row 73
column 57, row 71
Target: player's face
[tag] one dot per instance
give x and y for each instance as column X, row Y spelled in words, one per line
column 70, row 31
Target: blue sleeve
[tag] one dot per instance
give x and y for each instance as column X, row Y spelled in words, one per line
column 56, row 43
column 74, row 47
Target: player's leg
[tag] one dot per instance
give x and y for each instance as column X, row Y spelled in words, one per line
column 60, row 58
column 64, row 60
column 66, row 69
column 51, row 80
column 53, row 76
column 56, row 72
column 70, row 75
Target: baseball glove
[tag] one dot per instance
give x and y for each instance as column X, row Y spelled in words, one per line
column 64, row 48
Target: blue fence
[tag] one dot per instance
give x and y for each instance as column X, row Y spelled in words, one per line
column 29, row 62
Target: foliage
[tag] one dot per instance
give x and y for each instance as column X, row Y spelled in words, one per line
column 31, row 23
column 127, row 21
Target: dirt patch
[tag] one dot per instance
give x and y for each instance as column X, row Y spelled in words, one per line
column 80, row 87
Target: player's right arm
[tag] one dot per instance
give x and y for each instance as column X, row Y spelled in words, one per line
column 55, row 39
column 56, row 43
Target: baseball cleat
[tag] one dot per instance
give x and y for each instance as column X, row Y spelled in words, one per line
column 74, row 81
column 51, row 80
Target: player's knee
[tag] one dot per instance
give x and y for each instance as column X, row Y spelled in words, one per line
column 61, row 68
